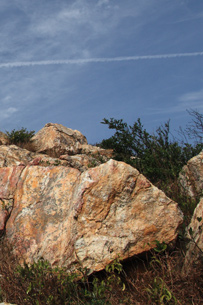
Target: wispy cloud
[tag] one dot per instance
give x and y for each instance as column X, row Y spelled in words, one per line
column 190, row 100
column 8, row 112
column 96, row 60
column 192, row 96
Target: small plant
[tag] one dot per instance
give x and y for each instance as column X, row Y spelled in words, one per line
column 57, row 162
column 20, row 136
column 159, row 293
column 102, row 288
column 92, row 163
column 191, row 234
column 160, row 247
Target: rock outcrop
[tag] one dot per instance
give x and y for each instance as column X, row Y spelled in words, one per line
column 60, row 203
column 191, row 177
column 69, row 146
column 56, row 140
column 84, row 219
column 12, row 155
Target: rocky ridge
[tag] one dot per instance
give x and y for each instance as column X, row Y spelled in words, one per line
column 70, row 203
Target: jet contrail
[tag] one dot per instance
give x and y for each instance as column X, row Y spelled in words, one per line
column 95, row 60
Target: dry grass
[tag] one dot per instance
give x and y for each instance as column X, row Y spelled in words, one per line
column 153, row 278
column 162, row 281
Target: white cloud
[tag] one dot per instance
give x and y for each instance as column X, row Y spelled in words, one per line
column 8, row 112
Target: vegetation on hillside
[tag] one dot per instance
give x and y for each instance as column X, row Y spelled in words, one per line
column 155, row 277
column 159, row 156
column 19, row 136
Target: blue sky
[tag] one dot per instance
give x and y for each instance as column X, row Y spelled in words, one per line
column 77, row 62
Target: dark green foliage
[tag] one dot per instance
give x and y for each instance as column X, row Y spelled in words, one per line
column 158, row 156
column 20, row 136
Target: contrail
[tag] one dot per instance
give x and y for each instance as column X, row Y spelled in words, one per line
column 95, row 60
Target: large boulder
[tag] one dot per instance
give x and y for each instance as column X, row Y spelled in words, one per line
column 56, row 140
column 191, row 177
column 84, row 219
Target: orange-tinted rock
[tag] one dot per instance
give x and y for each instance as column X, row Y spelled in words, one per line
column 41, row 223
column 88, row 219
column 9, row 178
column 120, row 213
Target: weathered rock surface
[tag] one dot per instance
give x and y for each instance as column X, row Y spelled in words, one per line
column 195, row 235
column 84, row 219
column 12, row 155
column 95, row 151
column 191, row 177
column 81, row 162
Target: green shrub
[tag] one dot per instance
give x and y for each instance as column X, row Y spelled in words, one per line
column 20, row 136
column 158, row 156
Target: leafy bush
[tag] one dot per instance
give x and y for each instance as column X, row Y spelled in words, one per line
column 158, row 156
column 20, row 136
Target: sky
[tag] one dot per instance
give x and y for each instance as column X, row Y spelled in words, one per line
column 77, row 62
